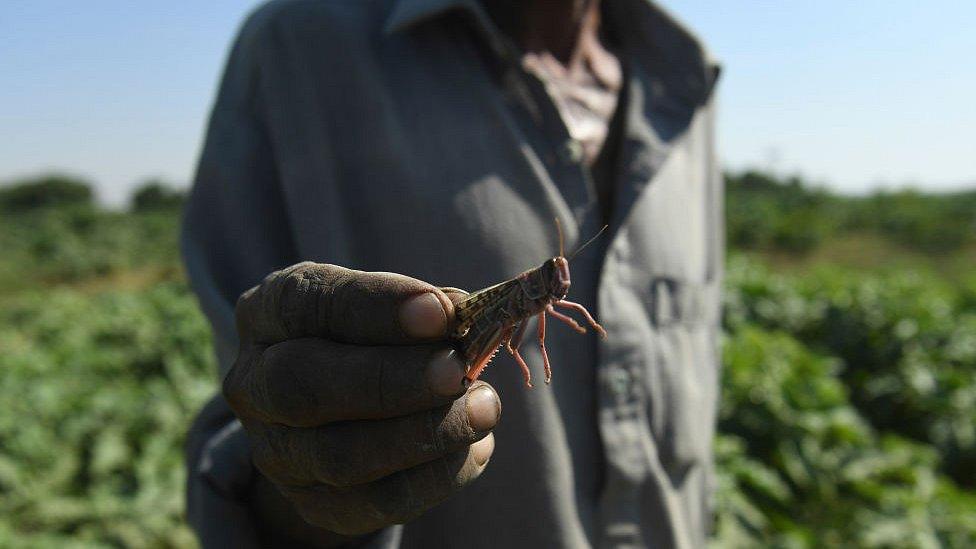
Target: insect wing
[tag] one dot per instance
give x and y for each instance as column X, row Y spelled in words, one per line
column 481, row 306
column 483, row 323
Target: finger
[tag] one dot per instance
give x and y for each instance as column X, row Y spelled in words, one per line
column 455, row 294
column 396, row 499
column 358, row 452
column 310, row 382
column 328, row 301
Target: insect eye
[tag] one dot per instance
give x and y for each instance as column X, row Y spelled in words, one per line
column 562, row 268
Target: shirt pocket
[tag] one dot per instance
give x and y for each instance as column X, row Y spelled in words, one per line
column 682, row 376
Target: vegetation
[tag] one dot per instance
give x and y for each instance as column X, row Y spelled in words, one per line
column 156, row 195
column 769, row 213
column 45, row 192
column 97, row 390
column 848, row 413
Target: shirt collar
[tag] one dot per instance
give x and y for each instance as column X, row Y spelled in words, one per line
column 651, row 36
column 407, row 13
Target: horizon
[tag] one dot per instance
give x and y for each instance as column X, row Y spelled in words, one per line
column 122, row 202
column 851, row 97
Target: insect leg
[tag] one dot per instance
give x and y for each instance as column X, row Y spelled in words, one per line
column 542, row 346
column 582, row 310
column 476, row 369
column 512, row 345
column 482, row 352
column 515, row 341
column 569, row 321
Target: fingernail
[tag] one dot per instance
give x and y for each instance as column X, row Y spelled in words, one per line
column 423, row 316
column 484, row 408
column 481, row 451
column 445, row 374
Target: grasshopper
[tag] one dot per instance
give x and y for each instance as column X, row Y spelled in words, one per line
column 498, row 315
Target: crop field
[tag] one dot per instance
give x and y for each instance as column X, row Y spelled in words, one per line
column 848, row 413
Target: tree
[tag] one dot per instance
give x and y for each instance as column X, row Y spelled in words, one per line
column 46, row 191
column 156, row 195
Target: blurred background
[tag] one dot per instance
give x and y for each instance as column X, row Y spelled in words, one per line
column 849, row 408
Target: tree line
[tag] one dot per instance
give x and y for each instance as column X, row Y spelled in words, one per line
column 764, row 212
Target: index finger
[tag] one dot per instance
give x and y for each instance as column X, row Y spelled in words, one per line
column 344, row 305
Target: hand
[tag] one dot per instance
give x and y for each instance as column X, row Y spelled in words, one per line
column 353, row 399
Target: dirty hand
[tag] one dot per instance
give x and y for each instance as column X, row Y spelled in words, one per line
column 352, row 398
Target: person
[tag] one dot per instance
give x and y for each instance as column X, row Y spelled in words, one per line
column 363, row 159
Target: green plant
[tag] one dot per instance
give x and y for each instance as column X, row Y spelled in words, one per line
column 46, row 191
column 848, row 412
column 156, row 195
column 97, row 393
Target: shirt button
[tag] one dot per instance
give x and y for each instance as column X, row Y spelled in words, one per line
column 572, row 151
column 619, row 381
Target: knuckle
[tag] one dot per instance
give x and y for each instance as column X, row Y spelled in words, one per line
column 304, row 297
column 446, row 429
column 345, row 513
column 404, row 499
column 341, row 475
column 437, row 428
column 382, row 510
column 277, row 452
column 265, row 459
column 405, row 509
column 237, row 385
column 331, row 469
column 286, row 391
column 333, row 292
column 318, row 511
column 232, row 389
column 338, row 464
column 241, row 308
column 269, row 309
column 275, row 356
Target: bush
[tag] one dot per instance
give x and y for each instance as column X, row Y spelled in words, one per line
column 930, row 223
column 155, row 195
column 798, row 466
column 45, row 192
column 98, row 392
column 763, row 212
column 905, row 342
column 60, row 245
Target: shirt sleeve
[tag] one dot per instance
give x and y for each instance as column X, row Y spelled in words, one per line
column 236, row 228
column 235, row 231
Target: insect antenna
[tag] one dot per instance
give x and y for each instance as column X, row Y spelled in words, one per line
column 587, row 243
column 559, row 229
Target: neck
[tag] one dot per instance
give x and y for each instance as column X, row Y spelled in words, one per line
column 559, row 27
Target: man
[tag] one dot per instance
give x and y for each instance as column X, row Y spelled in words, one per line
column 439, row 139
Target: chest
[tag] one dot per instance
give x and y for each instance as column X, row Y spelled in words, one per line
column 433, row 163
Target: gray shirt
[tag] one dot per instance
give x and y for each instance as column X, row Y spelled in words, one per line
column 403, row 136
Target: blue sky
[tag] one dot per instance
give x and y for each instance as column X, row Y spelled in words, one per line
column 854, row 94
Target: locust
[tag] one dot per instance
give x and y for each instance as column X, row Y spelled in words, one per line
column 498, row 315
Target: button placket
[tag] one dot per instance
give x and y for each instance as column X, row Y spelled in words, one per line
column 563, row 154
column 572, row 152
column 619, row 382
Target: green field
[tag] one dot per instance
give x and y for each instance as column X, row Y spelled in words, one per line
column 848, row 415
